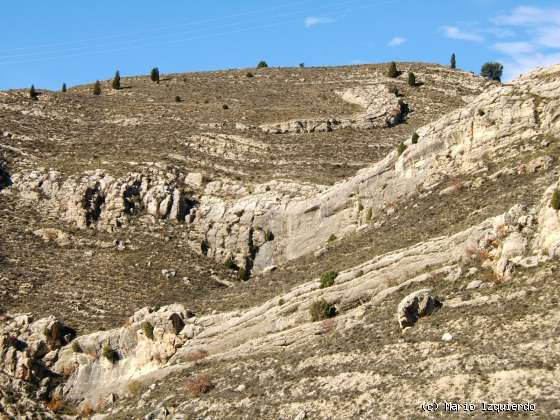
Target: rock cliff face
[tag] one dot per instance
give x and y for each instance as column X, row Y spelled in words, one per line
column 493, row 126
column 101, row 201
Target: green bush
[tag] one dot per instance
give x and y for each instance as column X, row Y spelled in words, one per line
column 401, row 148
column 148, row 330
column 249, row 74
column 154, row 75
column 411, row 79
column 481, row 113
column 332, row 238
column 225, row 106
column 268, row 236
column 262, row 64
column 177, row 98
column 453, row 63
column 415, row 138
column 116, row 84
column 230, row 264
column 321, row 309
column 492, row 71
column 76, row 348
column 327, row 279
column 392, row 70
column 97, row 88
column 110, row 354
column 555, row 200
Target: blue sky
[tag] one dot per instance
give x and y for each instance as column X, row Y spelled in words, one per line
column 50, row 42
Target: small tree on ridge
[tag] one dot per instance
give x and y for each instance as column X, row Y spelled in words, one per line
column 116, row 84
column 154, row 75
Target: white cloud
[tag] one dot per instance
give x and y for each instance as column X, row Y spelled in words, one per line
column 524, row 63
column 514, row 48
column 540, row 45
column 396, row 41
column 529, row 15
column 311, row 21
column 454, row 32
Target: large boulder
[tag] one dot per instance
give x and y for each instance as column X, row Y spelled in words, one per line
column 416, row 305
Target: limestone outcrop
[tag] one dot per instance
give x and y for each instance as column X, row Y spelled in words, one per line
column 97, row 199
column 381, row 109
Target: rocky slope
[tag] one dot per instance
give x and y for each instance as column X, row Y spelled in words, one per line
column 366, row 297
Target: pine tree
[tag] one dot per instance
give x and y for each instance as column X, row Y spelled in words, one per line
column 63, row 89
column 97, row 88
column 33, row 92
column 453, row 63
column 392, row 70
column 117, row 81
column 154, row 75
column 411, row 79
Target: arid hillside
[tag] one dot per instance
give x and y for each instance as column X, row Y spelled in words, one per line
column 280, row 243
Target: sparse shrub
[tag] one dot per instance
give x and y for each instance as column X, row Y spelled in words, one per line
column 134, row 387
column 492, row 71
column 249, row 74
column 110, row 354
column 401, row 148
column 154, row 75
column 148, row 329
column 321, row 309
column 481, row 113
column 243, row 274
column 177, row 98
column 32, row 92
column 204, row 247
column 369, row 215
column 394, row 90
column 327, row 279
column 56, row 404
column 97, row 88
column 196, row 355
column 230, row 264
column 555, row 200
column 268, row 236
column 86, row 410
column 415, row 138
column 199, row 385
column 453, row 63
column 328, row 325
column 262, row 64
column 63, row 89
column 76, row 348
column 225, row 106
column 411, row 79
column 332, row 238
column 392, row 70
column 116, row 84
column 281, row 302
